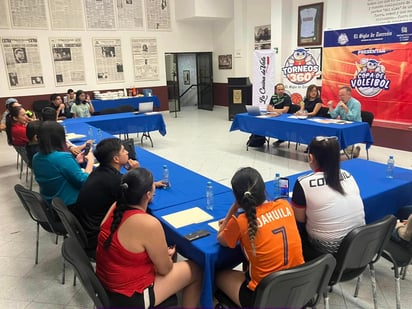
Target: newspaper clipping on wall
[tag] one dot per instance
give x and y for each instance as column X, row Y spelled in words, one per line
column 28, row 14
column 158, row 15
column 4, row 20
column 145, row 60
column 23, row 66
column 68, row 61
column 100, row 14
column 66, row 15
column 130, row 14
column 108, row 58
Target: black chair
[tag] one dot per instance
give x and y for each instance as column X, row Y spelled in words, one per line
column 74, row 254
column 291, row 288
column 323, row 112
column 110, row 110
column 361, row 247
column 400, row 256
column 22, row 153
column 42, row 214
column 38, row 106
column 72, row 225
column 125, row 108
column 367, row 117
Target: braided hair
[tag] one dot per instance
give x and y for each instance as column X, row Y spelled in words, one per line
column 249, row 190
column 135, row 184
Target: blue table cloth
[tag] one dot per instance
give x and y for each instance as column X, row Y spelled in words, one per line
column 99, row 105
column 206, row 252
column 381, row 196
column 124, row 122
column 303, row 131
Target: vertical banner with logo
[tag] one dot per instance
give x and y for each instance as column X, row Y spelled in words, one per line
column 301, row 69
column 263, row 76
column 376, row 62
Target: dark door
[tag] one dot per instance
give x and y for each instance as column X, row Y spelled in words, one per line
column 204, row 80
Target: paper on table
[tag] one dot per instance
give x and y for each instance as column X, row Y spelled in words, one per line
column 187, row 217
column 214, row 224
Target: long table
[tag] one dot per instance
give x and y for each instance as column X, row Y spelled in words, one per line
column 99, row 105
column 124, row 122
column 289, row 128
column 206, row 252
column 381, row 196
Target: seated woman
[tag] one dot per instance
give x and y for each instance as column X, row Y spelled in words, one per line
column 32, row 146
column 267, row 232
column 83, row 106
column 327, row 201
column 16, row 122
column 133, row 261
column 10, row 102
column 312, row 102
column 56, row 170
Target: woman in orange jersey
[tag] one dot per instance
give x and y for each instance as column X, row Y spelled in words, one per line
column 266, row 231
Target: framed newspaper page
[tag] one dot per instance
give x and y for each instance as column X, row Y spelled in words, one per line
column 310, row 19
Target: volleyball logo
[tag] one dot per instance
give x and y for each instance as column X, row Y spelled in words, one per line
column 369, row 78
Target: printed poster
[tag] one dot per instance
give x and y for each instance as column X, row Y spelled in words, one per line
column 376, row 62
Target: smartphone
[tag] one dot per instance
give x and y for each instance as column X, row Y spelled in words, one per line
column 197, row 235
column 284, row 186
column 87, row 149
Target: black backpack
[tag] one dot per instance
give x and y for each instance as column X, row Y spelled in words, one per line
column 256, row 141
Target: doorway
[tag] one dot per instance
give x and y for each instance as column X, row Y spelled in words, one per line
column 189, row 79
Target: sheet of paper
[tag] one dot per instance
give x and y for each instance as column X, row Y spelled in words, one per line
column 214, row 224
column 187, row 217
column 327, row 120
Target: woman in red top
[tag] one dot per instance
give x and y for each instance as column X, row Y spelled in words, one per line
column 267, row 233
column 16, row 122
column 133, row 261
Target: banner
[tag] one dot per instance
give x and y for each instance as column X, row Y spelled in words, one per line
column 301, row 69
column 263, row 76
column 376, row 62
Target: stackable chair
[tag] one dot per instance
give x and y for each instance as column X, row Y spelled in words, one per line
column 73, row 253
column 400, row 256
column 22, row 153
column 362, row 246
column 367, row 117
column 291, row 288
column 39, row 210
column 38, row 106
column 73, row 228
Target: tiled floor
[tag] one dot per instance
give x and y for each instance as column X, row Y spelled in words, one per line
column 199, row 140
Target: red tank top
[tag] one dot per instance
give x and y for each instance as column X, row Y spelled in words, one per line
column 118, row 269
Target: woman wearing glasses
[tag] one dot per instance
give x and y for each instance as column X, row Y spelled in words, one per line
column 327, row 200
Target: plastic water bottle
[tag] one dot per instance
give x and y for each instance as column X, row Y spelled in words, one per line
column 90, row 133
column 99, row 134
column 166, row 179
column 390, row 166
column 276, row 186
column 209, row 196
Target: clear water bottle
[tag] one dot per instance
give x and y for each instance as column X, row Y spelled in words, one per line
column 99, row 135
column 276, row 186
column 390, row 166
column 209, row 196
column 90, row 133
column 166, row 179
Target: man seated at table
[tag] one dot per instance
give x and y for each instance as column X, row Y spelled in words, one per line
column 280, row 103
column 61, row 110
column 348, row 108
column 102, row 188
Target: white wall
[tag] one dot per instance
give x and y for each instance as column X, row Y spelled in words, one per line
column 210, row 31
column 194, row 37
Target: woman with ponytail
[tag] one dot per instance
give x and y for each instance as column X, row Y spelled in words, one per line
column 267, row 233
column 327, row 201
column 133, row 261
